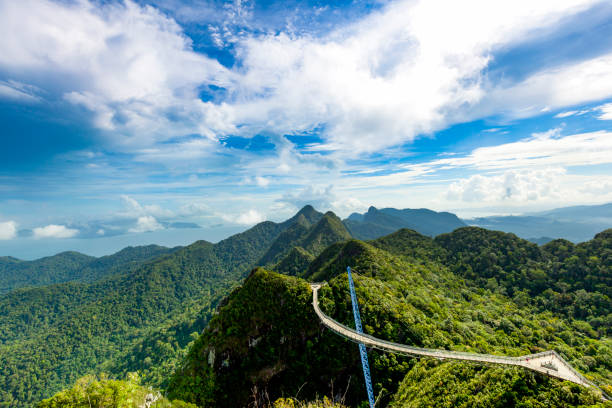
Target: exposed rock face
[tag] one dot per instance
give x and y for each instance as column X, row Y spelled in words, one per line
column 211, row 357
column 150, row 400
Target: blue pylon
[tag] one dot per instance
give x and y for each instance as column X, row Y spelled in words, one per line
column 362, row 348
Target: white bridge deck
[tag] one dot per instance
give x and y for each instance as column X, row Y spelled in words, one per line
column 548, row 362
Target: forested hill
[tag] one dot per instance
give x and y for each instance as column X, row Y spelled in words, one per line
column 52, row 335
column 469, row 290
column 307, row 236
column 376, row 223
column 73, row 266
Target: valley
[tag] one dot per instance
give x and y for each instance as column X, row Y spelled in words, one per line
column 197, row 322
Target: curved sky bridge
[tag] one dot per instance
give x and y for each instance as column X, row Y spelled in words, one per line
column 548, row 362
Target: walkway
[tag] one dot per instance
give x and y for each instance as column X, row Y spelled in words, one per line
column 548, row 362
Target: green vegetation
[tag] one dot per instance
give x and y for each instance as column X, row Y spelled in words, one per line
column 73, row 266
column 51, row 336
column 293, row 403
column 570, row 280
column 62, row 267
column 90, row 392
column 305, row 240
column 296, row 262
column 452, row 385
column 463, row 291
column 262, row 345
column 169, row 318
column 292, row 236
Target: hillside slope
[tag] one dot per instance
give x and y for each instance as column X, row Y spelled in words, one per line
column 297, row 246
column 73, row 267
column 414, row 290
column 53, row 335
column 312, row 235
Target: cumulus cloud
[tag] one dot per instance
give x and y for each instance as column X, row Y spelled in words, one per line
column 54, row 231
column 377, row 82
column 262, row 181
column 512, row 185
column 8, row 230
column 259, row 181
column 130, row 65
column 598, row 188
column 133, row 208
column 250, row 217
column 317, row 196
column 397, row 73
column 146, row 223
column 505, row 171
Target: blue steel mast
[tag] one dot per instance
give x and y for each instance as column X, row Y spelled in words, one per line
column 362, row 349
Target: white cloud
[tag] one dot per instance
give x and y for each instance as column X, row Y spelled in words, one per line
column 606, row 111
column 546, row 167
column 512, row 185
column 18, row 91
column 195, row 209
column 318, row 196
column 259, row 181
column 250, row 217
column 346, row 205
column 134, row 209
column 54, row 231
column 323, row 198
column 8, row 230
column 146, row 223
column 597, row 187
column 407, row 70
column 553, row 88
column 262, row 181
column 566, row 114
column 130, row 65
column 399, row 72
column 541, row 149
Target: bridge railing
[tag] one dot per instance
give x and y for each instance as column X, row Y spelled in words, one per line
column 385, row 345
column 374, row 341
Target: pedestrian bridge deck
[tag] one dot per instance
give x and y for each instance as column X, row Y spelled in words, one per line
column 548, row 362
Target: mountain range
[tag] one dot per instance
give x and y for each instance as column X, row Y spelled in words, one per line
column 73, row 266
column 576, row 224
column 469, row 290
column 50, row 335
column 377, row 223
column 231, row 324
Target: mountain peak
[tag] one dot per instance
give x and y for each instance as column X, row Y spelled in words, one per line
column 372, row 209
column 308, row 212
column 307, row 207
column 330, row 214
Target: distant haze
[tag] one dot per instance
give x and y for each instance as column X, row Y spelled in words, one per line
column 29, row 248
column 577, row 224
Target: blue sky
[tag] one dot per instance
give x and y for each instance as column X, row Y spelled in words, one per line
column 167, row 121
